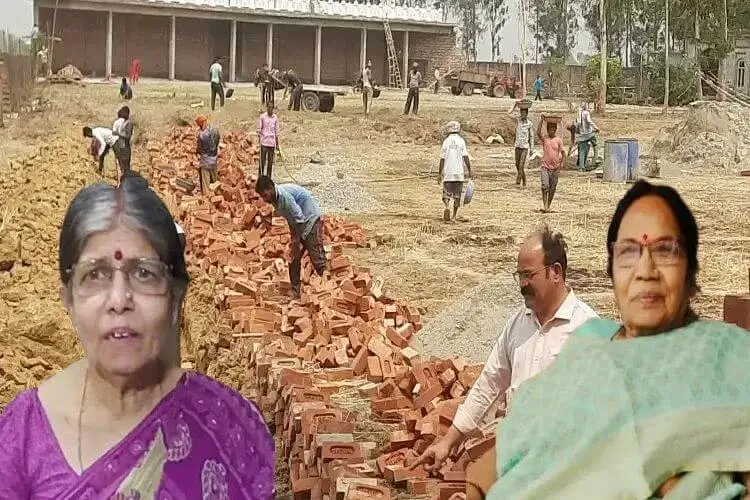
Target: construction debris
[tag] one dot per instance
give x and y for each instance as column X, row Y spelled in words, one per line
column 711, row 137
column 346, row 336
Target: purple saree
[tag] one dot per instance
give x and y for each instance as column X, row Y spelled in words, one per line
column 202, row 441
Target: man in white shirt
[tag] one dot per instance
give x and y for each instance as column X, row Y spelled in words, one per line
column 524, row 143
column 217, row 83
column 453, row 158
column 367, row 86
column 530, row 341
column 437, row 81
column 105, row 140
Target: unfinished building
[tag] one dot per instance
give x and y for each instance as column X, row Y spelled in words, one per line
column 324, row 41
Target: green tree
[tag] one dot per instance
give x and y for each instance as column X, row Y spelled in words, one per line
column 497, row 13
column 614, row 76
column 555, row 25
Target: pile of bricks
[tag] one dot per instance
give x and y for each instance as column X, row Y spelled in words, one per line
column 345, row 333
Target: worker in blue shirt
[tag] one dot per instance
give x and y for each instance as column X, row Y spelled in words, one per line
column 297, row 205
column 538, row 87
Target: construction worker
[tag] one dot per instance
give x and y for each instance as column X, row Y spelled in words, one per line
column 264, row 80
column 207, row 141
column 126, row 91
column 367, row 86
column 524, row 143
column 294, row 88
column 585, row 134
column 453, row 158
column 528, row 343
column 268, row 133
column 216, row 74
column 437, row 81
column 104, row 140
column 538, row 87
column 553, row 156
column 123, row 128
column 303, row 215
column 412, row 98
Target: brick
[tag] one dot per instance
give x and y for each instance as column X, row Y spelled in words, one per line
column 347, row 452
column 397, row 340
column 428, row 393
column 476, row 447
column 419, row 486
column 446, row 490
column 366, row 492
column 737, row 310
column 384, row 404
column 374, row 370
column 360, row 363
column 400, row 473
column 398, row 457
column 401, row 439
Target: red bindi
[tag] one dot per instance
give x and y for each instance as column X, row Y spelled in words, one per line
column 118, row 255
column 645, row 238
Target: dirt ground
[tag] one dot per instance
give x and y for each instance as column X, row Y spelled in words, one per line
column 394, row 159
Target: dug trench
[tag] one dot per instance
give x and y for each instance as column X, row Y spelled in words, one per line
column 348, row 400
column 346, row 397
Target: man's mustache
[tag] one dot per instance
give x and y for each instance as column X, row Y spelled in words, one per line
column 527, row 291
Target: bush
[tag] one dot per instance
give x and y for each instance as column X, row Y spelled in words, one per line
column 682, row 88
column 614, row 77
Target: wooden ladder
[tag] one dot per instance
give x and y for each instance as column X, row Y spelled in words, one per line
column 394, row 73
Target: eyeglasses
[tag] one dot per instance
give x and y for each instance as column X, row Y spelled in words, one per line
column 522, row 276
column 145, row 276
column 664, row 252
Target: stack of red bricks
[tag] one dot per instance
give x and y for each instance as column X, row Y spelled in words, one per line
column 344, row 333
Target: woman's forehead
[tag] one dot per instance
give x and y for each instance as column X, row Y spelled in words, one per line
column 648, row 218
column 121, row 242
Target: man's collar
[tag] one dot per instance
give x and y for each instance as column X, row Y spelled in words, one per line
column 565, row 311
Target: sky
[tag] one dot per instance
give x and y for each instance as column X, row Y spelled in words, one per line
column 17, row 17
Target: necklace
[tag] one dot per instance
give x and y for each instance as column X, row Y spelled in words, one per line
column 80, row 421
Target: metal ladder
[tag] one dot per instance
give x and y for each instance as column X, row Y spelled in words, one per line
column 394, row 73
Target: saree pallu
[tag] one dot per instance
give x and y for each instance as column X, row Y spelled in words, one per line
column 202, row 441
column 614, row 420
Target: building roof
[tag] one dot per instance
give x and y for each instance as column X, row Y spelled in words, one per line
column 311, row 12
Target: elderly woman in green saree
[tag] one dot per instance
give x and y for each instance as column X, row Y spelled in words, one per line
column 656, row 405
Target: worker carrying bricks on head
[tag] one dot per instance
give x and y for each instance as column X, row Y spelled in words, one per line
column 207, row 141
column 412, row 98
column 297, row 205
column 530, row 341
column 453, row 158
column 553, row 155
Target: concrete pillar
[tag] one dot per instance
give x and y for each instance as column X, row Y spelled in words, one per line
column 406, row 59
column 318, row 39
column 363, row 48
column 269, row 45
column 172, row 46
column 233, row 52
column 108, row 57
column 36, row 14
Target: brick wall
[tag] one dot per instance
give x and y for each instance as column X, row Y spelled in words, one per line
column 84, row 35
column 141, row 37
column 294, row 48
column 251, row 49
column 439, row 51
column 199, row 41
column 376, row 52
column 339, row 59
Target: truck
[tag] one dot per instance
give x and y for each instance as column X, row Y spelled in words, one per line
column 465, row 81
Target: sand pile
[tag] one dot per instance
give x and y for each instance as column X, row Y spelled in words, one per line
column 36, row 338
column 712, row 136
column 71, row 72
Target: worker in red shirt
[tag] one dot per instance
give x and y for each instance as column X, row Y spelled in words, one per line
column 135, row 71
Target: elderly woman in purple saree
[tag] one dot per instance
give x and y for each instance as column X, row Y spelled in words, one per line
column 126, row 422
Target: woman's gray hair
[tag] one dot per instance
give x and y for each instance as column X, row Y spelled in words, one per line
column 101, row 207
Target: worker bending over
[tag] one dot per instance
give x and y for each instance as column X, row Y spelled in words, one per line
column 207, row 147
column 104, row 140
column 294, row 88
column 297, row 205
column 530, row 341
